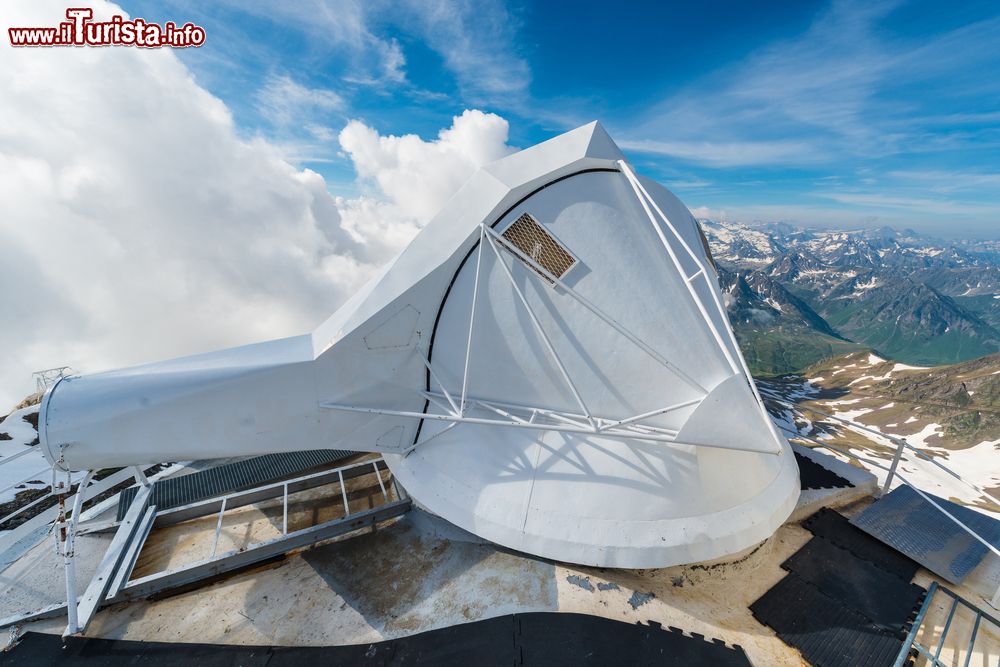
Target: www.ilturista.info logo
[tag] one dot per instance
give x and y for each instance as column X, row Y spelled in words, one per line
column 80, row 30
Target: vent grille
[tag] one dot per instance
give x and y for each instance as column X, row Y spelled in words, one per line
column 531, row 238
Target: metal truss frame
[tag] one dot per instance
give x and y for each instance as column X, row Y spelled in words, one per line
column 461, row 408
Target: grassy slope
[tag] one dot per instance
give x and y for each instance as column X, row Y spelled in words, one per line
column 964, row 398
column 780, row 350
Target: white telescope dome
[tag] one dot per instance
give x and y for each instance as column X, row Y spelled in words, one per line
column 548, row 365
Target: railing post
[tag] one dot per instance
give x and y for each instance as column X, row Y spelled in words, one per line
column 343, row 493
column 218, row 527
column 900, row 446
column 284, row 510
column 944, row 632
column 64, row 546
column 904, row 652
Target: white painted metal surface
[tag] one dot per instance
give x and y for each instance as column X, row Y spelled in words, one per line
column 603, row 418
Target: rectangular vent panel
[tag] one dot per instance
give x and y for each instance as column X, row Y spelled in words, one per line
column 529, row 237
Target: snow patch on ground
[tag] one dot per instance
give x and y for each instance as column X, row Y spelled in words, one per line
column 875, row 359
column 977, row 464
column 18, row 428
column 32, row 467
column 919, row 439
column 846, row 401
column 873, row 378
column 905, row 367
column 852, row 415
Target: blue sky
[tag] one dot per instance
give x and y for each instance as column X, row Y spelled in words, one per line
column 820, row 113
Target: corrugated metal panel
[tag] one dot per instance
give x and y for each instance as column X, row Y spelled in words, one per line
column 911, row 525
column 177, row 491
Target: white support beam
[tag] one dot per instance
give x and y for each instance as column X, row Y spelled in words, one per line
column 503, row 413
column 574, row 419
column 535, row 426
column 607, row 319
column 491, row 422
column 433, row 399
column 94, row 596
column 713, row 330
column 703, row 273
column 14, row 457
column 541, row 332
column 652, row 413
column 571, row 418
column 472, row 320
column 444, row 391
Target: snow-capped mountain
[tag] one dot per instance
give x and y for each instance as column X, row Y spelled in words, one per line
column 803, row 293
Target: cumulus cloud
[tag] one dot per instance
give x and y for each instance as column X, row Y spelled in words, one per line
column 408, row 179
column 136, row 224
column 398, row 165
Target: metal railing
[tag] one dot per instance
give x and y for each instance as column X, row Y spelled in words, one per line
column 48, row 377
column 930, row 652
column 892, row 471
column 41, row 474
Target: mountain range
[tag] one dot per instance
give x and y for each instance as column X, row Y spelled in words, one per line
column 797, row 295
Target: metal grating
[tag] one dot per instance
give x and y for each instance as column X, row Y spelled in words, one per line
column 528, row 236
column 911, row 525
column 186, row 489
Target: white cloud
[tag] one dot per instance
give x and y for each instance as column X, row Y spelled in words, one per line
column 399, row 165
column 137, row 225
column 946, row 181
column 339, row 25
column 478, row 43
column 725, row 154
column 284, row 101
column 844, row 88
column 709, row 213
column 411, row 178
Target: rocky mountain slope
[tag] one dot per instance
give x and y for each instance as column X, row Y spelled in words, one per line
column 797, row 296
